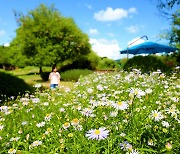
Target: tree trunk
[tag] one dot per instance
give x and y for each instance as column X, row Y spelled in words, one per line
column 40, row 70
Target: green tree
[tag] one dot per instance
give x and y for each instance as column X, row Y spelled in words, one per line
column 4, row 58
column 175, row 31
column 45, row 37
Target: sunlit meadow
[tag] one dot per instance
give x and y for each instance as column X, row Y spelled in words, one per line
column 104, row 113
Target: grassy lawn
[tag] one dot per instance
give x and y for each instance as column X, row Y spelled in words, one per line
column 30, row 75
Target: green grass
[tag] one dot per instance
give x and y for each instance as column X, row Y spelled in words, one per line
column 30, row 75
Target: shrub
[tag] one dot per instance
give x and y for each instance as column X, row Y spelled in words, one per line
column 74, row 74
column 106, row 63
column 146, row 64
column 12, row 86
column 123, row 61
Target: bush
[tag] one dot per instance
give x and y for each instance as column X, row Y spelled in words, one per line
column 74, row 74
column 123, row 62
column 146, row 64
column 12, row 86
column 106, row 63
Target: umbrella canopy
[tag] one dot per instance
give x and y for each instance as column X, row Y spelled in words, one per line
column 148, row 48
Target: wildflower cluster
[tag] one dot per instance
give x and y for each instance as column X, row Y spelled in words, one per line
column 116, row 112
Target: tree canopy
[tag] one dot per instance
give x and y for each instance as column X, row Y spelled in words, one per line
column 165, row 7
column 45, row 37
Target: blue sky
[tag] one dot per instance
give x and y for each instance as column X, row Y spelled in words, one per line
column 110, row 24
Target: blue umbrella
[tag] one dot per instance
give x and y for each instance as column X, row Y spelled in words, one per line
column 148, row 48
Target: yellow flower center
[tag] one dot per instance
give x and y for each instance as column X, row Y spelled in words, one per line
column 66, row 124
column 155, row 114
column 97, row 132
column 171, row 110
column 75, row 120
column 136, row 91
column 120, row 103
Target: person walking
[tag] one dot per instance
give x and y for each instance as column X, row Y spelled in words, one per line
column 54, row 78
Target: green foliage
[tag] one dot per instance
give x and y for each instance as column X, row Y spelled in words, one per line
column 171, row 60
column 94, row 60
column 45, row 37
column 173, row 35
column 12, row 86
column 74, row 74
column 175, row 32
column 146, row 64
column 89, row 61
column 123, row 62
column 106, row 63
column 4, row 58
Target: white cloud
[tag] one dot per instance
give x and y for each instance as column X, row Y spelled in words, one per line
column 112, row 15
column 6, row 44
column 106, row 48
column 93, row 31
column 132, row 29
column 136, row 41
column 2, row 33
column 132, row 10
column 88, row 6
column 111, row 34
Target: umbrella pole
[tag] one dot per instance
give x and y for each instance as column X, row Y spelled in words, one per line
column 127, row 53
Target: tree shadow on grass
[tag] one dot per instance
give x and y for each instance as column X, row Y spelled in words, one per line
column 12, row 86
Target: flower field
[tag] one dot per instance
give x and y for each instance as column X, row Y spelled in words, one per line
column 115, row 112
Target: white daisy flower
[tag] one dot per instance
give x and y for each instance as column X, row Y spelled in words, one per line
column 24, row 123
column 4, row 108
column 125, row 146
column 1, row 127
column 12, row 151
column 35, row 100
column 48, row 117
column 134, row 151
column 79, row 127
column 90, row 90
column 98, row 134
column 38, row 85
column 156, row 115
column 114, row 113
column 40, row 124
column 100, row 87
column 87, row 111
column 14, row 139
column 66, row 125
column 36, row 143
column 148, row 91
column 122, row 134
column 61, row 109
column 150, row 142
column 172, row 111
column 165, row 124
column 75, row 122
column 46, row 103
column 121, row 105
